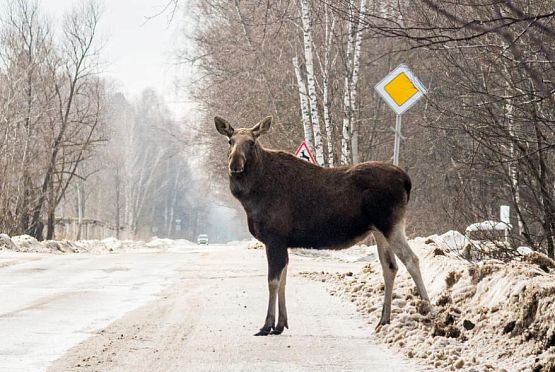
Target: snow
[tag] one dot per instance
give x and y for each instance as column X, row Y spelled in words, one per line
column 6, row 243
column 451, row 241
column 524, row 251
column 357, row 253
column 28, row 244
column 489, row 225
column 53, row 302
column 486, row 316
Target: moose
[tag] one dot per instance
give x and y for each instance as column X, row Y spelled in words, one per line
column 345, row 205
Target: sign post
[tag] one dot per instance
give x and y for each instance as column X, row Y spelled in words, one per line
column 400, row 89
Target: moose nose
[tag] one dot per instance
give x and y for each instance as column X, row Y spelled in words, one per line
column 236, row 170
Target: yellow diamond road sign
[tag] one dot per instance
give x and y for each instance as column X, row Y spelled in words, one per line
column 400, row 89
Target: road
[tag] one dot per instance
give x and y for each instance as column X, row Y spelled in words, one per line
column 187, row 309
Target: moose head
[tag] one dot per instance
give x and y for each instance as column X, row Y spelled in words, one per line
column 243, row 143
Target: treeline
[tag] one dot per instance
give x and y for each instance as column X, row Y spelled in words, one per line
column 71, row 146
column 483, row 137
column 139, row 179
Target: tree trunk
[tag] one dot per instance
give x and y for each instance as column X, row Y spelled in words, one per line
column 546, row 194
column 51, row 225
column 313, row 100
column 354, row 83
column 305, row 108
column 326, row 94
column 118, row 207
column 346, row 154
column 79, row 210
column 173, row 201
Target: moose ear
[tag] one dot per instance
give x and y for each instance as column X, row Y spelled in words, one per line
column 262, row 127
column 223, row 127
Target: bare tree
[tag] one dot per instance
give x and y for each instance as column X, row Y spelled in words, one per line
column 70, row 75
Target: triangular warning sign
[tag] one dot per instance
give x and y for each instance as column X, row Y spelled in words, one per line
column 303, row 152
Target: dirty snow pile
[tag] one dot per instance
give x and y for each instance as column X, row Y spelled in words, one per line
column 357, row 253
column 487, row 316
column 26, row 243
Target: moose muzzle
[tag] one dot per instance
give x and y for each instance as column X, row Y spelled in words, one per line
column 236, row 164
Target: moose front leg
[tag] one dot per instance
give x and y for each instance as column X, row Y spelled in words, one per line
column 277, row 261
column 282, row 317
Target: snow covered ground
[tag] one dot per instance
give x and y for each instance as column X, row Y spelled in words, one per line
column 488, row 315
column 49, row 303
column 182, row 308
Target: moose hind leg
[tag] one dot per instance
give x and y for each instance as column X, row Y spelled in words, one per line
column 277, row 260
column 398, row 243
column 389, row 268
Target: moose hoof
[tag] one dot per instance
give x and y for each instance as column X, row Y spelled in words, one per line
column 277, row 331
column 381, row 323
column 264, row 331
column 424, row 307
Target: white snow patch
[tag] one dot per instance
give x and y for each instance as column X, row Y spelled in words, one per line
column 357, row 253
column 452, row 241
column 524, row 251
column 26, row 243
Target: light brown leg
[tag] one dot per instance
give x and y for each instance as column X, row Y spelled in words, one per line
column 282, row 317
column 389, row 268
column 399, row 245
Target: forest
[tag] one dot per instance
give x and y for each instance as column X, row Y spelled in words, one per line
column 482, row 138
column 73, row 146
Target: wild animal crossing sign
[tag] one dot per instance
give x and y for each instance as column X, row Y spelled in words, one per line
column 303, row 152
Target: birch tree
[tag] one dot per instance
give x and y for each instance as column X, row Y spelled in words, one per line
column 304, row 102
column 353, row 86
column 349, row 139
column 329, row 22
column 311, row 80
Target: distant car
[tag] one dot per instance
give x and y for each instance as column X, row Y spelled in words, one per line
column 202, row 239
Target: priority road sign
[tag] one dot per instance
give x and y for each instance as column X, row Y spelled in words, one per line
column 303, row 152
column 400, row 89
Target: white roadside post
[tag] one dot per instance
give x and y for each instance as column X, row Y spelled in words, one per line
column 400, row 89
column 505, row 218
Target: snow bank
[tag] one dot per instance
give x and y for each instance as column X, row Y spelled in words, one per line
column 26, row 243
column 164, row 243
column 452, row 241
column 357, row 253
column 486, row 316
column 6, row 243
column 489, row 225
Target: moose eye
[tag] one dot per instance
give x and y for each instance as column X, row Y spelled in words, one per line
column 230, row 142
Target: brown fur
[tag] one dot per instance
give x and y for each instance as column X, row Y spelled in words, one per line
column 303, row 205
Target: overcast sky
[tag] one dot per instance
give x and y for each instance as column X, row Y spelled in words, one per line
column 138, row 51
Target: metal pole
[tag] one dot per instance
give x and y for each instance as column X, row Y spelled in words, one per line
column 397, row 145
